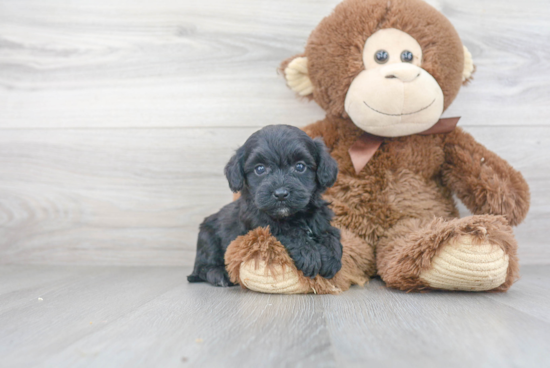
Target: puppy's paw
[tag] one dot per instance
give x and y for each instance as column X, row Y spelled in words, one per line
column 330, row 267
column 218, row 276
column 308, row 261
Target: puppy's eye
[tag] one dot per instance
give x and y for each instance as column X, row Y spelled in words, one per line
column 300, row 167
column 407, row 56
column 381, row 56
column 260, row 170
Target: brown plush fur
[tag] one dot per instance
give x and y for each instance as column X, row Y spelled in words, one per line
column 357, row 261
column 409, row 181
column 346, row 30
column 483, row 181
column 414, row 177
column 408, row 248
column 400, row 206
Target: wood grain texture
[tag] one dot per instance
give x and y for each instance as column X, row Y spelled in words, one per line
column 110, row 196
column 174, row 63
column 150, row 316
column 116, row 118
column 136, row 197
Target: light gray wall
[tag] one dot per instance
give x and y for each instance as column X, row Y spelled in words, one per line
column 116, row 118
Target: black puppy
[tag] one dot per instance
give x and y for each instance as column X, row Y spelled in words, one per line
column 281, row 173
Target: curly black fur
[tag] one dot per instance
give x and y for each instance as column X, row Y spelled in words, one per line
column 299, row 218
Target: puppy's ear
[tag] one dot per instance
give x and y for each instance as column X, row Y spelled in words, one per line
column 327, row 167
column 234, row 171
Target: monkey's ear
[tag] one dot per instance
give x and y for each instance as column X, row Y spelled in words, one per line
column 296, row 75
column 327, row 167
column 234, row 171
column 469, row 67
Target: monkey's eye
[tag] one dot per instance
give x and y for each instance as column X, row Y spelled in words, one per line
column 260, row 170
column 300, row 167
column 381, row 56
column 407, row 56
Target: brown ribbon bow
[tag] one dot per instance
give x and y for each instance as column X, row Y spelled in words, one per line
column 366, row 145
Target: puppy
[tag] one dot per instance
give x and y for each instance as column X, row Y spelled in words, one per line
column 281, row 173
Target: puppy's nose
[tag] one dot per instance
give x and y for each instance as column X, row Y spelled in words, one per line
column 281, row 194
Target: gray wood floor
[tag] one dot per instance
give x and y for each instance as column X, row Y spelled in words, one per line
column 150, row 316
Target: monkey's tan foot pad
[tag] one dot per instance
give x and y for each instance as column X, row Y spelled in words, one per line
column 259, row 262
column 282, row 280
column 275, row 280
column 463, row 265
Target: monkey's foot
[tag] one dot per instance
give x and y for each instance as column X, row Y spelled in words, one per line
column 476, row 253
column 464, row 265
column 274, row 280
column 259, row 262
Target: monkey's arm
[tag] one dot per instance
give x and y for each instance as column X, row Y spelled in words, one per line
column 486, row 183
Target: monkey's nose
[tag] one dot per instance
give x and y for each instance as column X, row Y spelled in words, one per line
column 404, row 72
column 281, row 194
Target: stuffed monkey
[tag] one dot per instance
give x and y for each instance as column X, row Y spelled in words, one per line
column 385, row 71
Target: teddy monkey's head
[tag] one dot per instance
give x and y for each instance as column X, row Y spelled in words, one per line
column 391, row 66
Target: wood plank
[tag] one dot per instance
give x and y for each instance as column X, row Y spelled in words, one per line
column 531, row 294
column 139, row 64
column 384, row 327
column 75, row 302
column 510, row 86
column 102, row 196
column 154, row 317
column 150, row 316
column 203, row 63
column 137, row 196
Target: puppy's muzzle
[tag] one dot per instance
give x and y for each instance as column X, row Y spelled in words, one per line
column 281, row 194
